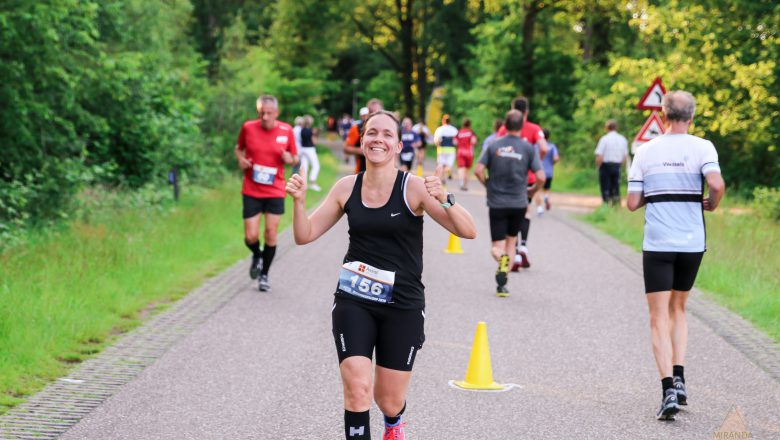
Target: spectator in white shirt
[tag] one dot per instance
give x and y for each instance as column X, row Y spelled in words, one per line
column 611, row 153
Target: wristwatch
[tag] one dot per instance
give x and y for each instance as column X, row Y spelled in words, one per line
column 450, row 201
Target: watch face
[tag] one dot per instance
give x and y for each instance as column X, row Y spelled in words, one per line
column 451, row 198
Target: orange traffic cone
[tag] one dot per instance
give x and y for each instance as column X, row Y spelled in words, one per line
column 453, row 247
column 479, row 374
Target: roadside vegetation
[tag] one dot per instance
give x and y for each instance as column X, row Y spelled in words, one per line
column 739, row 269
column 68, row 293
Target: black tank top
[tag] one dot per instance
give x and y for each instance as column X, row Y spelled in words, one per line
column 388, row 238
column 306, row 137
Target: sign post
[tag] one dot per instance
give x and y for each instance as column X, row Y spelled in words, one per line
column 653, row 126
column 651, row 100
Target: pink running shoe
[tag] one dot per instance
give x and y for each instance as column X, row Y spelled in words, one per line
column 394, row 433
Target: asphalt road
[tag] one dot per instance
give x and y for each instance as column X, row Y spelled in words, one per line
column 574, row 338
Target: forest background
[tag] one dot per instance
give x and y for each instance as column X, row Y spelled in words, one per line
column 107, row 96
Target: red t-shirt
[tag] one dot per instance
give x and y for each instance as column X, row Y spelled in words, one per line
column 353, row 139
column 265, row 179
column 531, row 133
column 465, row 140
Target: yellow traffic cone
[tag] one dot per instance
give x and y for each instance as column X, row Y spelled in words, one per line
column 419, row 170
column 453, row 247
column 479, row 374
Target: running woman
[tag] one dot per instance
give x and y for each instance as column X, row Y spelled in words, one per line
column 379, row 302
column 668, row 176
column 465, row 141
column 264, row 147
column 353, row 141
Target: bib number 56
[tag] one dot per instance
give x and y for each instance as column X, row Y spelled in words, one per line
column 365, row 285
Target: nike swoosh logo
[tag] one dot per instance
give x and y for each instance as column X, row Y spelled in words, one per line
column 395, row 214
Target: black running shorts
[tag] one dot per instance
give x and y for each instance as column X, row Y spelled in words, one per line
column 270, row 205
column 666, row 271
column 505, row 222
column 360, row 328
column 547, row 183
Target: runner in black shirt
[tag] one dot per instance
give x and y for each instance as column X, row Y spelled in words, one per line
column 379, row 300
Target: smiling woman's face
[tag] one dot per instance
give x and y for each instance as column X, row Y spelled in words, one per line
column 380, row 139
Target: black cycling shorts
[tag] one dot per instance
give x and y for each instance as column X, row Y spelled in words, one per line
column 505, row 222
column 255, row 205
column 666, row 271
column 360, row 328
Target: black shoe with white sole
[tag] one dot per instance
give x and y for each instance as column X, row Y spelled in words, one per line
column 669, row 406
column 679, row 388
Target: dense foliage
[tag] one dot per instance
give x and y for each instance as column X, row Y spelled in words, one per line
column 115, row 93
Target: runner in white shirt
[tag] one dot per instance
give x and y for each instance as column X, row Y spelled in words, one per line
column 444, row 138
column 668, row 176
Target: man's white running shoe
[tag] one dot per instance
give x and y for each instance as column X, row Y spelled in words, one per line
column 539, row 211
column 314, row 187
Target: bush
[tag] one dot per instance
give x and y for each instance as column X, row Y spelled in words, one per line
column 766, row 202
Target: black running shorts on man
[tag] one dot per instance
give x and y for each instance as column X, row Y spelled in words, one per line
column 270, row 205
column 666, row 271
column 360, row 328
column 505, row 222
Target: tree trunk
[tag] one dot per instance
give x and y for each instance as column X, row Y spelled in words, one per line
column 529, row 23
column 421, row 63
column 406, row 26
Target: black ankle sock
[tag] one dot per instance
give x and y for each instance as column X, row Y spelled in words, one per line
column 268, row 257
column 392, row 421
column 254, row 247
column 679, row 371
column 357, row 425
column 667, row 383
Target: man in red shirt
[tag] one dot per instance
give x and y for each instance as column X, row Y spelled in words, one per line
column 465, row 141
column 264, row 147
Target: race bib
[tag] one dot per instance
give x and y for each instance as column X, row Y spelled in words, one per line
column 281, row 140
column 407, row 157
column 263, row 175
column 367, row 282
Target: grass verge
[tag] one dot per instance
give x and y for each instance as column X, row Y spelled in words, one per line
column 568, row 178
column 65, row 296
column 739, row 269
